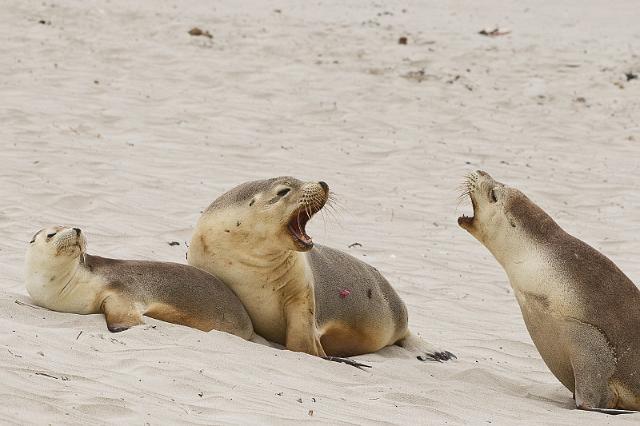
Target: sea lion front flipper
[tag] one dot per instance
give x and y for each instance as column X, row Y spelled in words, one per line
column 347, row 361
column 593, row 362
column 120, row 313
column 302, row 333
column 610, row 411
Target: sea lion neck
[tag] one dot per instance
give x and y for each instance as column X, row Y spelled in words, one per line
column 268, row 260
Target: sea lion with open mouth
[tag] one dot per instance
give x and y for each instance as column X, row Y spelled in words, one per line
column 582, row 312
column 308, row 297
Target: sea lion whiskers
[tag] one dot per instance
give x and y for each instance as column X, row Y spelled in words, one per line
column 461, row 199
column 326, row 209
column 465, row 188
column 334, row 207
column 330, row 209
column 333, row 200
column 467, row 185
column 471, row 180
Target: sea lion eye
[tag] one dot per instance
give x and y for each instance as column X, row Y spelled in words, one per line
column 49, row 236
column 283, row 192
column 492, row 196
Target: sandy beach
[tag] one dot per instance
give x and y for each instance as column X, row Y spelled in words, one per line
column 117, row 120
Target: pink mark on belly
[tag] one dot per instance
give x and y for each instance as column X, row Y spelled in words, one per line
column 344, row 293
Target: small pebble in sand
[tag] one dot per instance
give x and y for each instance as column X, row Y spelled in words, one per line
column 631, row 76
column 173, row 243
column 418, row 75
column 454, row 79
column 196, row 32
column 402, row 40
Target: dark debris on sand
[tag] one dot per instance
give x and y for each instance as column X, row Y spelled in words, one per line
column 197, row 32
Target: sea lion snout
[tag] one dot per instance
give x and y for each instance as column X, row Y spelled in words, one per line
column 312, row 199
column 489, row 198
column 68, row 240
column 483, row 180
column 470, row 186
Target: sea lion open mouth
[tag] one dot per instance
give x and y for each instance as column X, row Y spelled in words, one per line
column 465, row 220
column 470, row 185
column 297, row 224
column 310, row 203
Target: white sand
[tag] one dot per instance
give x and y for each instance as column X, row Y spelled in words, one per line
column 317, row 92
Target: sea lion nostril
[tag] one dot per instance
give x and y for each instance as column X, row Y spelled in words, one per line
column 324, row 185
column 78, row 231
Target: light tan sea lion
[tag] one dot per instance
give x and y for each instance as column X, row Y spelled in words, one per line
column 60, row 276
column 311, row 299
column 581, row 311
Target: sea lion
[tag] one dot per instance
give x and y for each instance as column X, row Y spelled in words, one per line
column 61, row 276
column 308, row 297
column 582, row 312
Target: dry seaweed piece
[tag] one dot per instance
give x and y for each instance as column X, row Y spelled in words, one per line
column 197, row 32
column 494, row 32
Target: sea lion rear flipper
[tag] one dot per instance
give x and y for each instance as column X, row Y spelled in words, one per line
column 423, row 350
column 120, row 313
